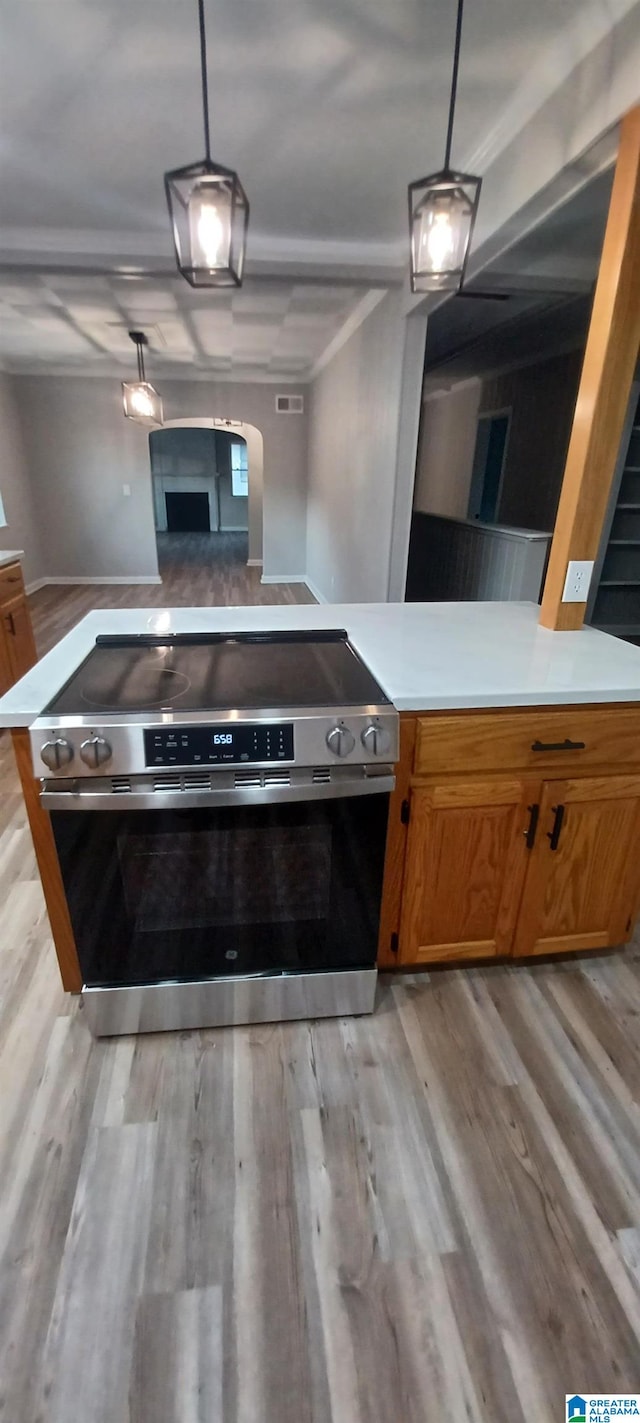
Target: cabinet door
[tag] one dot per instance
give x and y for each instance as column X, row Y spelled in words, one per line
column 466, row 862
column 18, row 637
column 6, row 666
column 582, row 882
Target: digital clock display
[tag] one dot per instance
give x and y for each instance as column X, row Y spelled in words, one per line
column 217, row 745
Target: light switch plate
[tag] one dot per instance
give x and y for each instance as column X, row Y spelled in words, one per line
column 577, row 581
column 126, row 490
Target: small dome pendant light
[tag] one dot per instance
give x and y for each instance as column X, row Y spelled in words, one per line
column 442, row 211
column 141, row 402
column 208, row 208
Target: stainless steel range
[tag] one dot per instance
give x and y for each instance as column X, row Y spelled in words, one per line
column 219, row 805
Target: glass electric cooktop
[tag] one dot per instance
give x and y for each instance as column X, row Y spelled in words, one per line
column 215, row 672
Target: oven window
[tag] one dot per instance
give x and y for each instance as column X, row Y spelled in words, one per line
column 205, row 892
column 208, row 878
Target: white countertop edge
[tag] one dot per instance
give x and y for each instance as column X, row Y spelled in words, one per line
column 426, row 656
column 10, row 555
column 478, row 701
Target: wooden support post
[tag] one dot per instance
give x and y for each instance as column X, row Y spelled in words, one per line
column 607, row 374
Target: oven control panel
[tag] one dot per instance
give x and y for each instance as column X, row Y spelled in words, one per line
column 218, row 745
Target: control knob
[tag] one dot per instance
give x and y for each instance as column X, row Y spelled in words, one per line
column 376, row 739
column 95, row 752
column 56, row 754
column 340, row 740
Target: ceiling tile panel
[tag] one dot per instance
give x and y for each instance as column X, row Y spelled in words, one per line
column 49, row 319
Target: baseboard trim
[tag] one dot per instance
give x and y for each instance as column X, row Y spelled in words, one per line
column 283, row 578
column 315, row 592
column 254, row 563
column 69, row 582
column 35, row 586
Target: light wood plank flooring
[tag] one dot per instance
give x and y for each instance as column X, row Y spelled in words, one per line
column 197, row 570
column 433, row 1213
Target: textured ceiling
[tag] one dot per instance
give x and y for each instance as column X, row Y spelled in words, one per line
column 267, row 329
column 326, row 107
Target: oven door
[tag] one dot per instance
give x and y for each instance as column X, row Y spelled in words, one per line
column 211, row 891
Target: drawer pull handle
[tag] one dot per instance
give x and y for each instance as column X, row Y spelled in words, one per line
column 553, row 836
column 566, row 745
column 12, row 626
column 530, row 832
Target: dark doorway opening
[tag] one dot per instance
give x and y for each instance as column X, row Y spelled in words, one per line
column 488, row 466
column 188, row 513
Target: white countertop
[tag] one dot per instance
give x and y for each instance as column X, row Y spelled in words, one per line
column 10, row 555
column 426, row 656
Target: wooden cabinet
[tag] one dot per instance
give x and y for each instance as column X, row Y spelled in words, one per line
column 469, row 841
column 490, row 859
column 543, row 742
column 581, row 883
column 6, row 673
column 17, row 645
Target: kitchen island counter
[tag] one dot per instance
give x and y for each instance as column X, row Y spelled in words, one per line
column 504, row 724
column 426, row 656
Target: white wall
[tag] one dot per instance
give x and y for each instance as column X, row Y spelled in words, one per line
column 21, row 530
column 80, row 451
column 445, row 450
column 353, row 447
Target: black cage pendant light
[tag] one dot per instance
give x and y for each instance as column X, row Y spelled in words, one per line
column 442, row 211
column 208, row 208
column 141, row 402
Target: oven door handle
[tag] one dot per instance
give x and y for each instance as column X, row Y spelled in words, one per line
column 54, row 797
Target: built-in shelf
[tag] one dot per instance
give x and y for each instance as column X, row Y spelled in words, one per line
column 614, row 600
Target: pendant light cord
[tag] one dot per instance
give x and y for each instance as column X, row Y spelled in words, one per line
column 139, row 341
column 454, row 85
column 205, row 86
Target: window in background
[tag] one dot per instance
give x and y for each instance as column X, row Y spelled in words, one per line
column 3, row 517
column 239, row 469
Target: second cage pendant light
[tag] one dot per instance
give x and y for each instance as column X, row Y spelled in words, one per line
column 140, row 400
column 442, row 211
column 208, row 208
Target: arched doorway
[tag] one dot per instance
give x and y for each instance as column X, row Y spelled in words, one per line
column 222, row 496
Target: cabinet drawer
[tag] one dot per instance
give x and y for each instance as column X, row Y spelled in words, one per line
column 11, row 582
column 542, row 740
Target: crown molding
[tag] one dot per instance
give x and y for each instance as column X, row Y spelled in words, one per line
column 192, row 374
column 571, row 47
column 130, row 254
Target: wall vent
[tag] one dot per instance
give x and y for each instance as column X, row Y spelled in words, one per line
column 289, row 404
